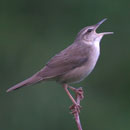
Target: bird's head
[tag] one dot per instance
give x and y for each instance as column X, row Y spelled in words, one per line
column 89, row 33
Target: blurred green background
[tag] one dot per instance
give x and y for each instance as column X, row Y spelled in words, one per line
column 31, row 32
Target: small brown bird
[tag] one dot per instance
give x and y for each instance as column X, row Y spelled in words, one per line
column 72, row 64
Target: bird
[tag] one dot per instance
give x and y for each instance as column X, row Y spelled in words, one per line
column 74, row 63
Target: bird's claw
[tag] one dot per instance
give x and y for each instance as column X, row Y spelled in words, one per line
column 79, row 92
column 75, row 108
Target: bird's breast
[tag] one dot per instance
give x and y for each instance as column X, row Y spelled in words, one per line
column 79, row 73
column 94, row 53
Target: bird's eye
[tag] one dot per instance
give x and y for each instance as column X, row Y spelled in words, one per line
column 89, row 30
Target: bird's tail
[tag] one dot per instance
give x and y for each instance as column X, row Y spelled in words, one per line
column 32, row 80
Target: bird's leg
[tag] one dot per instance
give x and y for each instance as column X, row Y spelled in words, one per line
column 65, row 86
column 79, row 96
column 76, row 104
column 78, row 91
column 75, row 108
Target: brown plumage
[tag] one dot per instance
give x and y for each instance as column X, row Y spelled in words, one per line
column 73, row 63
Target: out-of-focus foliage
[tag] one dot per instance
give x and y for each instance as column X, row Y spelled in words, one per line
column 31, row 32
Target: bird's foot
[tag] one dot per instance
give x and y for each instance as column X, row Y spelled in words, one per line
column 75, row 108
column 78, row 92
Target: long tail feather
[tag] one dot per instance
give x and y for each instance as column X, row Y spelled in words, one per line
column 29, row 81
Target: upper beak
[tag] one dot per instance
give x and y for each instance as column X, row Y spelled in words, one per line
column 99, row 23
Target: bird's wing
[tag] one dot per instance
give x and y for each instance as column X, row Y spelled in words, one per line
column 68, row 59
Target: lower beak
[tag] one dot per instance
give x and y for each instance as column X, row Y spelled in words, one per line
column 98, row 24
column 106, row 33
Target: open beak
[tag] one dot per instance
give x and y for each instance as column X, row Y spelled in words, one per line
column 98, row 24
